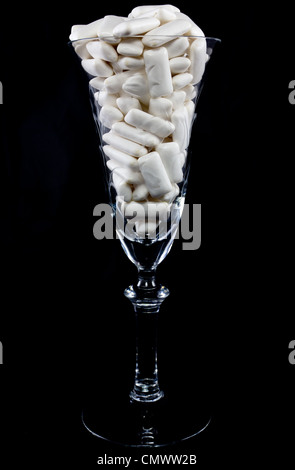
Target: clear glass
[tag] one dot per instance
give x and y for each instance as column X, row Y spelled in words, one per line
column 147, row 219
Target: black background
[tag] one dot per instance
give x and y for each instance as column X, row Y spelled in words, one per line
column 65, row 324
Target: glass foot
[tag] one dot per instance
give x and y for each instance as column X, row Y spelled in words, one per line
column 165, row 422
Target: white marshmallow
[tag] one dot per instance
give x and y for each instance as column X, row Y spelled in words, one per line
column 97, row 67
column 121, row 157
column 135, row 26
column 140, row 192
column 131, row 47
column 102, row 50
column 198, row 58
column 181, row 80
column 114, row 83
column 158, row 72
column 122, row 188
column 147, row 122
column 81, row 31
column 125, row 103
column 161, row 107
column 130, row 63
column 136, row 135
column 154, row 174
column 125, row 145
column 177, row 47
column 159, row 36
column 170, row 156
column 179, row 64
column 97, row 83
column 109, row 115
column 105, row 28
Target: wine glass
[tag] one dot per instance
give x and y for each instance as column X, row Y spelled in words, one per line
column 147, row 219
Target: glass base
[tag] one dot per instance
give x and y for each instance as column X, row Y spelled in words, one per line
column 165, row 422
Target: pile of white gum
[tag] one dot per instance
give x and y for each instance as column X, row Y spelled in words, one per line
column 144, row 68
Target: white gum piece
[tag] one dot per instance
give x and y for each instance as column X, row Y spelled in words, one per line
column 160, row 107
column 97, row 83
column 198, row 58
column 125, row 103
column 97, row 67
column 190, row 108
column 170, row 156
column 181, row 80
column 105, row 28
column 177, row 99
column 154, row 174
column 126, row 160
column 179, row 64
column 102, row 50
column 104, row 98
column 190, row 92
column 131, row 47
column 141, row 10
column 128, row 175
column 173, row 28
column 81, row 50
column 158, row 72
column 114, row 83
column 122, row 188
column 137, row 85
column 171, row 195
column 125, row 145
column 82, row 31
column 163, row 14
column 147, row 210
column 145, row 228
column 147, row 122
column 130, row 63
column 136, row 135
column 177, row 47
column 135, row 26
column 194, row 30
column 134, row 210
column 181, row 134
column 113, row 164
column 109, row 115
column 140, row 192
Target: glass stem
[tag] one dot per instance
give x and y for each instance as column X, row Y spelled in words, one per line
column 146, row 298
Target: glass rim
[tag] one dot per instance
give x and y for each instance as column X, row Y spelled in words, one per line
column 172, row 36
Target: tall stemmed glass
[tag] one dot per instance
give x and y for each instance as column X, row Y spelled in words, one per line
column 146, row 224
